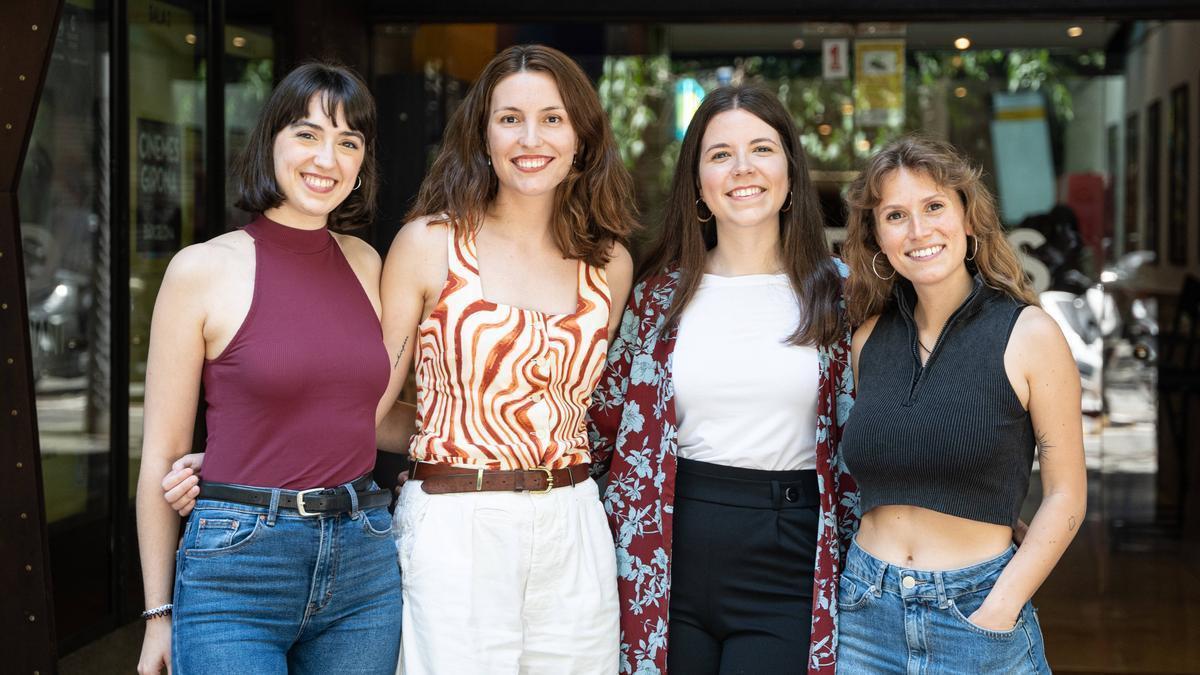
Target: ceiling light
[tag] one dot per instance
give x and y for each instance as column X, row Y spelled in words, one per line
column 824, row 130
column 960, row 92
column 239, row 41
column 797, row 44
column 190, row 39
column 1075, row 31
column 962, row 43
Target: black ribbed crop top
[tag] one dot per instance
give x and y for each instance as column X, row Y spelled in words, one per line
column 951, row 435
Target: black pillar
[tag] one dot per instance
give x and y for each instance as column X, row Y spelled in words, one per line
column 27, row 29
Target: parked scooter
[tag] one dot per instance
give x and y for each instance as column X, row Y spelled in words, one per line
column 1073, row 299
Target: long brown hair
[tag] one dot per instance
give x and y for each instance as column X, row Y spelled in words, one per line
column 594, row 205
column 685, row 240
column 867, row 294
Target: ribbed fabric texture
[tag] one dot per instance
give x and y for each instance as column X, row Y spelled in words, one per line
column 950, row 436
column 291, row 400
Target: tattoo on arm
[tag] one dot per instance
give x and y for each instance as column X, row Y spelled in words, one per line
column 1071, row 524
column 400, row 353
column 1042, row 445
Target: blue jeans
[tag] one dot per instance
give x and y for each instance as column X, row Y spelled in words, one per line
column 265, row 590
column 897, row 620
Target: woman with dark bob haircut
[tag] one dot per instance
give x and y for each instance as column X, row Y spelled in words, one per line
column 961, row 378
column 286, row 565
column 721, row 410
column 503, row 291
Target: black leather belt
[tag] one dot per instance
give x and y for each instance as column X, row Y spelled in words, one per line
column 306, row 502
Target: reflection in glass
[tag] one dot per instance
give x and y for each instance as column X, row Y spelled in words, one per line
column 166, row 173
column 65, row 236
column 66, row 240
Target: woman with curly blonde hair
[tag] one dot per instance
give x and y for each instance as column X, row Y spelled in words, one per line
column 960, row 377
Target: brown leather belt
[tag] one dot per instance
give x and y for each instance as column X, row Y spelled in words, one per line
column 440, row 479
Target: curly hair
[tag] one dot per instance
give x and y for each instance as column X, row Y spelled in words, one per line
column 994, row 259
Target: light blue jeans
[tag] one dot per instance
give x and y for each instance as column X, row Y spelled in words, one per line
column 265, row 590
column 901, row 621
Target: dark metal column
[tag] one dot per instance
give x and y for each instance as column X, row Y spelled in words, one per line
column 27, row 29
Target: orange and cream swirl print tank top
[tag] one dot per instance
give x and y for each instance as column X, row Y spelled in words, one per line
column 501, row 387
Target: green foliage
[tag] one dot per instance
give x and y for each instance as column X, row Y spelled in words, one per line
column 631, row 89
column 1015, row 70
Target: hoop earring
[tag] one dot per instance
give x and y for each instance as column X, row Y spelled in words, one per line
column 357, row 183
column 710, row 213
column 975, row 252
column 787, row 203
column 876, row 271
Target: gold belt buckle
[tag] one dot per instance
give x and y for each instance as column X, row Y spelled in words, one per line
column 549, row 480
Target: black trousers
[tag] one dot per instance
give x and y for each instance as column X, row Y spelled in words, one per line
column 744, row 544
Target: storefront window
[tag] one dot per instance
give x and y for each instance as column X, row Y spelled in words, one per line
column 167, row 180
column 249, row 77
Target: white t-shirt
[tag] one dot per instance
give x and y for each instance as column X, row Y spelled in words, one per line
column 744, row 396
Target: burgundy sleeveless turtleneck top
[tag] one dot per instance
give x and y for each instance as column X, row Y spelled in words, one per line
column 291, row 400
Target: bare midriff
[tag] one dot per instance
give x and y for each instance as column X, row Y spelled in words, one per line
column 922, row 539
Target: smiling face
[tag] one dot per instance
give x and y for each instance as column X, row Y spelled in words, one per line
column 743, row 170
column 921, row 228
column 530, row 139
column 316, row 165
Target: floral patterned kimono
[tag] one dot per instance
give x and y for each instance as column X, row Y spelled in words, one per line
column 633, row 434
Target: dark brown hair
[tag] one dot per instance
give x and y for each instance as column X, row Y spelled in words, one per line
column 594, row 204
column 867, row 294
column 341, row 90
column 685, row 241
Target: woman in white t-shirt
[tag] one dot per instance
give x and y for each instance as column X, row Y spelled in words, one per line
column 721, row 409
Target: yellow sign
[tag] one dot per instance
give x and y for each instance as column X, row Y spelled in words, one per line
column 879, row 82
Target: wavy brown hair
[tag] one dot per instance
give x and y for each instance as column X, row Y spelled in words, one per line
column 594, row 205
column 995, row 260
column 685, row 241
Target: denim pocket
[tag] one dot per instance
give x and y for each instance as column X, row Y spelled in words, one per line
column 966, row 605
column 220, row 532
column 377, row 522
column 853, row 594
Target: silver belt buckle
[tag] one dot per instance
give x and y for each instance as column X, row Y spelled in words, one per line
column 300, row 501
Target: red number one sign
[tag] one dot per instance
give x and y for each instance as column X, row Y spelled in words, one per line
column 835, row 63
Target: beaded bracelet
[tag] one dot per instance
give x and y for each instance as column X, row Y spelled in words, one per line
column 163, row 610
